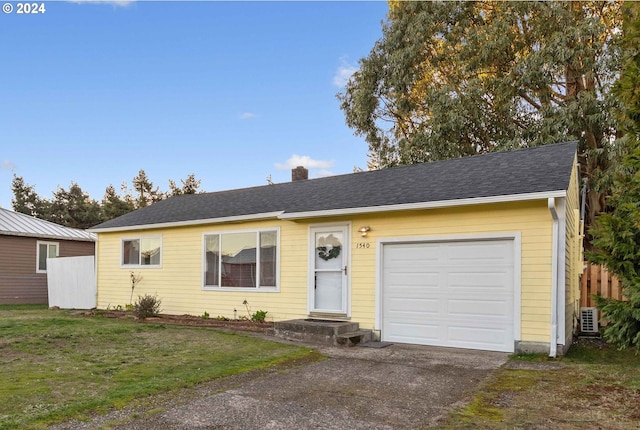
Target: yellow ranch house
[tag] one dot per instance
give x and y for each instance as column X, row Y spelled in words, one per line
column 481, row 252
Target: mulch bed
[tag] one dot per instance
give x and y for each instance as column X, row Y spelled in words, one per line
column 188, row 320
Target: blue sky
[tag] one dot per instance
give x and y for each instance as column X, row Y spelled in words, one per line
column 230, row 91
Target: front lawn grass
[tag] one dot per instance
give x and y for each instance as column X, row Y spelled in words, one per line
column 55, row 366
column 593, row 386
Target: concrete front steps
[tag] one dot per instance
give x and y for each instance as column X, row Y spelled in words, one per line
column 325, row 332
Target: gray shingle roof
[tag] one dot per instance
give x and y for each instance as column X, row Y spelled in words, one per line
column 18, row 224
column 541, row 169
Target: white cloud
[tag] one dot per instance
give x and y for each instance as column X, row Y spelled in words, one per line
column 344, row 72
column 303, row 160
column 247, row 115
column 7, row 165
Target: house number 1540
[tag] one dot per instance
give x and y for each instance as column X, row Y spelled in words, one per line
column 363, row 245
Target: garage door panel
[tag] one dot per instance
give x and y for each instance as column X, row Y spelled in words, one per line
column 479, row 253
column 479, row 280
column 479, row 338
column 407, row 332
column 493, row 338
column 414, row 318
column 458, row 294
column 400, row 305
column 457, row 337
column 480, row 289
column 414, row 288
column 420, row 279
column 412, row 252
column 473, row 309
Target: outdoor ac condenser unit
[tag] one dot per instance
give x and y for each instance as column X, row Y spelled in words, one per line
column 589, row 320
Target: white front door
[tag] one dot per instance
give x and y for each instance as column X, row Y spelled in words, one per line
column 328, row 269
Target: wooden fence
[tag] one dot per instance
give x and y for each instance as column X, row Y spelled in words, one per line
column 597, row 280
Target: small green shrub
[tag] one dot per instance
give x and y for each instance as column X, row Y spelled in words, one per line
column 259, row 316
column 146, row 306
column 205, row 315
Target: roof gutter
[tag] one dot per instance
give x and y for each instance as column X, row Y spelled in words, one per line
column 425, row 205
column 228, row 219
column 553, row 341
column 87, row 238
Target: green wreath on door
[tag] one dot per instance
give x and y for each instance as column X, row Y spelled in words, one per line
column 329, row 247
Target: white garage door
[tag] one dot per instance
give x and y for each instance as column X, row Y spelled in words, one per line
column 455, row 294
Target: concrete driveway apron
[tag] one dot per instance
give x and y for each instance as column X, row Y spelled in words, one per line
column 397, row 387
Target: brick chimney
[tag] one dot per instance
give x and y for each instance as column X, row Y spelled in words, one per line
column 299, row 174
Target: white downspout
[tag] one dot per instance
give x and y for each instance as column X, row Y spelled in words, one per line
column 553, row 343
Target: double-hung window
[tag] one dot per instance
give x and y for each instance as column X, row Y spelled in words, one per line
column 142, row 251
column 45, row 250
column 246, row 259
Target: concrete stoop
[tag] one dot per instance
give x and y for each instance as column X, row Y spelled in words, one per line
column 325, row 332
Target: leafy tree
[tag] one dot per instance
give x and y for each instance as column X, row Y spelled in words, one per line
column 25, row 199
column 147, row 194
column 189, row 186
column 74, row 208
column 617, row 234
column 449, row 79
column 113, row 205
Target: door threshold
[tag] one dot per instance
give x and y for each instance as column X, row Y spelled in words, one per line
column 331, row 317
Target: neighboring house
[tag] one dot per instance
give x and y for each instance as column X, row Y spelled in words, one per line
column 25, row 245
column 482, row 252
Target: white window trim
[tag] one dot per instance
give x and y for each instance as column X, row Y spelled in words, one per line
column 38, row 243
column 258, row 289
column 140, row 266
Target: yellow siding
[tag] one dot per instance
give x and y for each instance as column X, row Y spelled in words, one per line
column 573, row 256
column 532, row 219
column 179, row 282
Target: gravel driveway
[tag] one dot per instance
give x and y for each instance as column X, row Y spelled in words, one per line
column 397, row 387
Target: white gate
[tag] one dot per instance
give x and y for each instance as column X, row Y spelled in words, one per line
column 72, row 282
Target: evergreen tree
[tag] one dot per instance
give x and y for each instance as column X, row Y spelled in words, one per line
column 617, row 234
column 147, row 194
column 25, row 199
column 189, row 186
column 74, row 208
column 174, row 190
column 113, row 205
